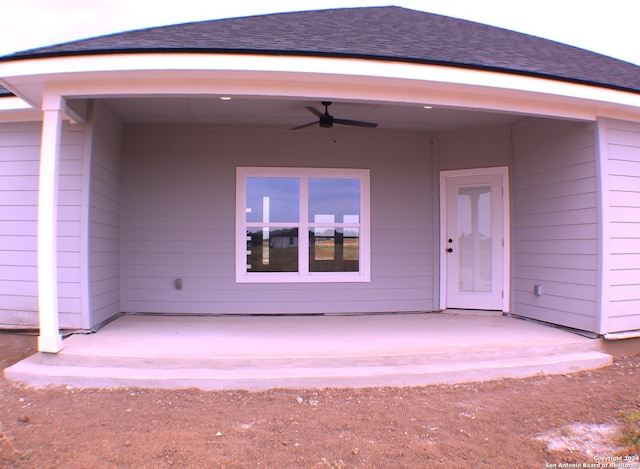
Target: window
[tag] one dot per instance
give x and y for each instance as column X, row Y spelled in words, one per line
column 302, row 225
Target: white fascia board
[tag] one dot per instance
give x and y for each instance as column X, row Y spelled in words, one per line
column 179, row 73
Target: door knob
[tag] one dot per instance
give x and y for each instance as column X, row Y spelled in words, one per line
column 450, row 250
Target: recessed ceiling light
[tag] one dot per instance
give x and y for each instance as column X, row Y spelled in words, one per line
column 426, row 106
column 225, row 98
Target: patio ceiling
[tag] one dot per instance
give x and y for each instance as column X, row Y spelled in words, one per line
column 284, row 113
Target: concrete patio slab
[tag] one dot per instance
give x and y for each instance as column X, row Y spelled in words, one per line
column 259, row 352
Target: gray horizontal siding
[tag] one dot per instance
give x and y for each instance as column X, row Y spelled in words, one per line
column 104, row 216
column 178, row 215
column 19, row 167
column 555, row 223
column 70, row 226
column 481, row 148
column 19, row 170
column 622, row 151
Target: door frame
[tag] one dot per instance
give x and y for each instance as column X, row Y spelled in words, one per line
column 503, row 172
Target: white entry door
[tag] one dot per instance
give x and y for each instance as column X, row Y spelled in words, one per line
column 475, row 239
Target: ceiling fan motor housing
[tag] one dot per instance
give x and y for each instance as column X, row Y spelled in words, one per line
column 326, row 120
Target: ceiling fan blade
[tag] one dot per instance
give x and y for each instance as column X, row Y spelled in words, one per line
column 355, row 123
column 305, row 125
column 314, row 111
column 326, row 120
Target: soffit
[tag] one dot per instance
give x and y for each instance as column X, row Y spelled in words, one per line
column 286, row 113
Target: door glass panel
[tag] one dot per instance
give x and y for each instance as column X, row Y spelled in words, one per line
column 474, row 239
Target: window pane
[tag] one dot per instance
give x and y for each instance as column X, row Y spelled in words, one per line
column 273, row 200
column 324, row 244
column 272, row 249
column 334, row 250
column 351, row 244
column 334, row 197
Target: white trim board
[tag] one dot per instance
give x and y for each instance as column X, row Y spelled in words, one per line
column 503, row 172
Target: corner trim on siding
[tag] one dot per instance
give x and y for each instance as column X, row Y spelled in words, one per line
column 434, row 148
column 511, row 233
column 85, row 223
column 604, row 251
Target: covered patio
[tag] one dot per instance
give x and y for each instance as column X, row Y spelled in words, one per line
column 310, row 351
column 194, row 204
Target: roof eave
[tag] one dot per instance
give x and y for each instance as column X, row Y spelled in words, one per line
column 282, row 52
column 101, row 76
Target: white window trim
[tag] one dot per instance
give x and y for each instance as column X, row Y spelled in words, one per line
column 242, row 276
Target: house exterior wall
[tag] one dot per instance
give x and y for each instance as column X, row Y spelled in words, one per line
column 178, row 219
column 19, row 157
column 19, row 169
column 555, row 223
column 166, row 210
column 104, row 217
column 71, row 223
column 480, row 148
column 470, row 149
column 620, row 152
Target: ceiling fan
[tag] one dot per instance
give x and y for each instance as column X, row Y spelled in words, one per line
column 326, row 120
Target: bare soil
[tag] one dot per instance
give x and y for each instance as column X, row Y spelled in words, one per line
column 512, row 423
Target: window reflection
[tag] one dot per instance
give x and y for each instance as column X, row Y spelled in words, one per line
column 334, row 250
column 273, row 199
column 272, row 249
column 474, row 239
column 339, row 197
column 280, row 205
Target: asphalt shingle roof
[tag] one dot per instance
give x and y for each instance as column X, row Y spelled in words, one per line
column 382, row 33
column 5, row 92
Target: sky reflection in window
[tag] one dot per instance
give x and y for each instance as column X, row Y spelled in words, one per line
column 284, row 199
column 334, row 196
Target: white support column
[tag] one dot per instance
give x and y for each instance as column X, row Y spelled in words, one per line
column 49, row 339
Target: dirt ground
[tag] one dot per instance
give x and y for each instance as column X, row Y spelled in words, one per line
column 539, row 422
